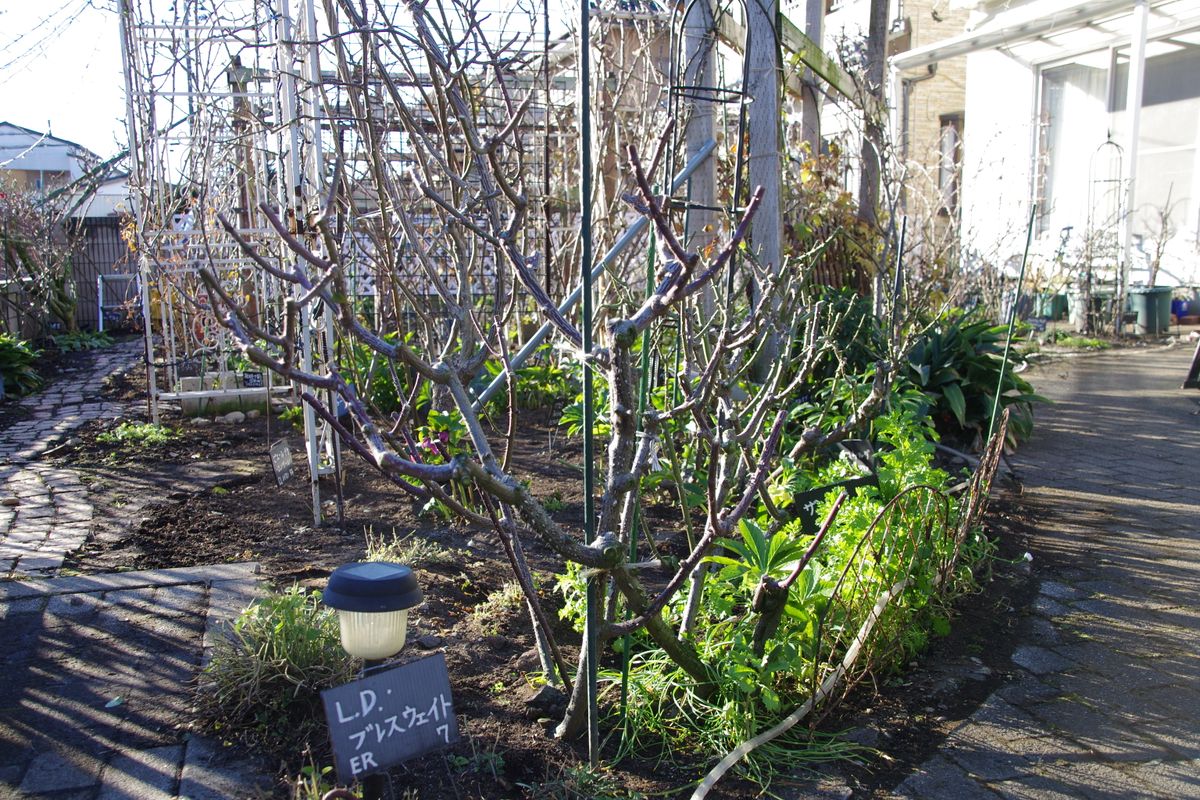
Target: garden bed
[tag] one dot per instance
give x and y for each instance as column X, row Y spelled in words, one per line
column 209, row 496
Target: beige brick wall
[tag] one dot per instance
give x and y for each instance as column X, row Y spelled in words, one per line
column 945, row 93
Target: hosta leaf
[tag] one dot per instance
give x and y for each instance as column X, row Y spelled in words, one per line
column 958, row 404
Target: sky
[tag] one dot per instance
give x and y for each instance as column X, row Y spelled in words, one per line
column 60, row 70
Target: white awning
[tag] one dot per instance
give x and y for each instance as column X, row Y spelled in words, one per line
column 1045, row 30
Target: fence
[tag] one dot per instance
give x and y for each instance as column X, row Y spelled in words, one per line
column 101, row 253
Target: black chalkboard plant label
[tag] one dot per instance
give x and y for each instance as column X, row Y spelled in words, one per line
column 389, row 717
column 281, row 461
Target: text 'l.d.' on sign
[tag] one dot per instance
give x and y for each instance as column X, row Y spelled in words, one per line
column 389, row 717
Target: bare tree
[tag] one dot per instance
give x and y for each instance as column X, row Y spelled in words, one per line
column 429, row 195
column 37, row 245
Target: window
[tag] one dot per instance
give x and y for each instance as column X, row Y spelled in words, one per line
column 1083, row 105
column 1073, row 125
column 950, row 163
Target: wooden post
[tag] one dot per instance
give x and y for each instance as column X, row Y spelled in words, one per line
column 810, row 98
column 762, row 51
column 868, row 185
column 700, row 42
column 868, row 191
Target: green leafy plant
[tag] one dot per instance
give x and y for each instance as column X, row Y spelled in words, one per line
column 957, row 364
column 1082, row 343
column 757, row 554
column 542, row 383
column 571, row 584
column 554, row 502
column 17, row 372
column 378, row 381
column 293, row 415
column 262, row 686
column 882, row 533
column 77, row 341
column 313, row 782
column 572, row 415
column 138, row 434
column 487, row 761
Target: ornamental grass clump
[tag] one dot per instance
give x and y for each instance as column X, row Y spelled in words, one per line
column 262, row 687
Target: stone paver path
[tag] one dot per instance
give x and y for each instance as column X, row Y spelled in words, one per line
column 98, row 678
column 98, row 671
column 44, row 512
column 1107, row 699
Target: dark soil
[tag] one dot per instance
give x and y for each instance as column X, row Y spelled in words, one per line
column 210, row 496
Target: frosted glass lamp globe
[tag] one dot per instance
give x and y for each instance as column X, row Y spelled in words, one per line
column 372, row 599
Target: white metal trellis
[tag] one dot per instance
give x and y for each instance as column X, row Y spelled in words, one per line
column 220, row 127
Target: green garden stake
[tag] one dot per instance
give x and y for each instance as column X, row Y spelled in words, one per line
column 643, row 392
column 1012, row 322
column 585, row 268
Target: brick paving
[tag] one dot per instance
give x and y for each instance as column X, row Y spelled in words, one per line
column 1106, row 702
column 99, row 670
column 44, row 511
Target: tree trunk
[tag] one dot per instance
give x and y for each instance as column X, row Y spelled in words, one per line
column 868, row 187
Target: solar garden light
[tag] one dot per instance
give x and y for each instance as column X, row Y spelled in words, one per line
column 372, row 599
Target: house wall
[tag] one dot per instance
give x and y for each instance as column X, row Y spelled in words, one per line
column 33, row 180
column 997, row 155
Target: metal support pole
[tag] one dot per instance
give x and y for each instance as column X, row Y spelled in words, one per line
column 1012, row 322
column 374, row 786
column 1133, row 111
column 148, row 338
column 585, row 232
column 635, row 230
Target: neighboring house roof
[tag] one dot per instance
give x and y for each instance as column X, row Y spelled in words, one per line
column 26, row 149
column 107, row 198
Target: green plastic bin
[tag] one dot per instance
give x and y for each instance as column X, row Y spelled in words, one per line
column 1153, row 307
column 1052, row 306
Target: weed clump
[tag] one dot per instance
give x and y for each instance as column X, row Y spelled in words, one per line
column 78, row 341
column 262, row 687
column 138, row 434
column 1082, row 343
column 411, row 550
column 491, row 614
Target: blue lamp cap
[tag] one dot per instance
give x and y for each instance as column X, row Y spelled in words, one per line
column 372, row 586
